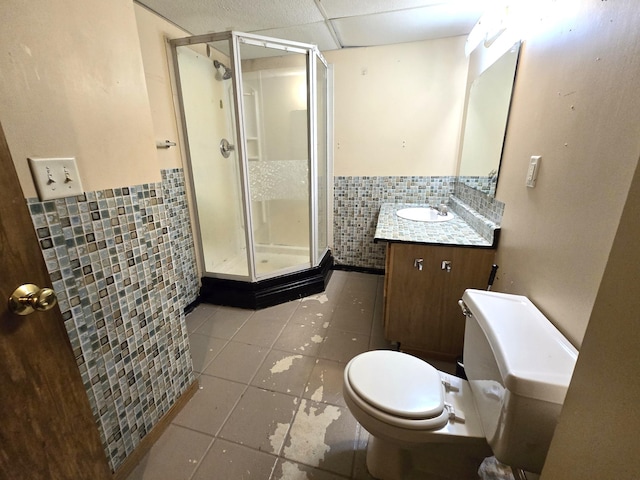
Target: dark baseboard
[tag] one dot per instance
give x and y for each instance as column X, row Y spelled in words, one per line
column 189, row 308
column 353, row 268
column 269, row 292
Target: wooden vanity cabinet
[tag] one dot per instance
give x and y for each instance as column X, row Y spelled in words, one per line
column 421, row 295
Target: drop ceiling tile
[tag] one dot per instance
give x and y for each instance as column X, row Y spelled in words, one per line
column 340, row 8
column 205, row 16
column 315, row 33
column 405, row 25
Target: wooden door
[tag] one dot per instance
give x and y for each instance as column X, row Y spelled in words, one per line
column 421, row 304
column 47, row 429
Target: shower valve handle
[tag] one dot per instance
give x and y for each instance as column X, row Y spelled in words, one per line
column 226, row 148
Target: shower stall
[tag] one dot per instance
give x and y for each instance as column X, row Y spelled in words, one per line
column 255, row 120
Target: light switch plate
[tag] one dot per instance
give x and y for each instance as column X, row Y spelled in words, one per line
column 532, row 171
column 55, row 177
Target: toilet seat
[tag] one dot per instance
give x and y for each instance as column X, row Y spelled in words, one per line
column 398, row 389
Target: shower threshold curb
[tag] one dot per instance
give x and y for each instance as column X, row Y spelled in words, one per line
column 269, row 292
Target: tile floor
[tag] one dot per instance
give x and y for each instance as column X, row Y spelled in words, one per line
column 270, row 402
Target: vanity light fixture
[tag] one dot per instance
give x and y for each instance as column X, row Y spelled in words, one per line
column 490, row 26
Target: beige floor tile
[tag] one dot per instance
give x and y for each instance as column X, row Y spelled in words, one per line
column 290, row 470
column 210, row 406
column 377, row 325
column 174, row 456
column 325, row 382
column 204, row 349
column 229, row 461
column 302, row 339
column 199, row 315
column 261, row 420
column 313, row 311
column 261, row 331
column 224, row 323
column 342, row 346
column 353, row 318
column 322, row 436
column 337, row 279
column 357, row 284
column 284, row 372
column 380, row 343
column 282, row 311
column 237, row 361
column 330, row 296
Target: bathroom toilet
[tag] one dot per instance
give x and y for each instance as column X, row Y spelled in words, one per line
column 424, row 423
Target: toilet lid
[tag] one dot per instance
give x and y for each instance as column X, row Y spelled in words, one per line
column 397, row 383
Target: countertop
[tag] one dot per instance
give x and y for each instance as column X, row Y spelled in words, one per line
column 391, row 228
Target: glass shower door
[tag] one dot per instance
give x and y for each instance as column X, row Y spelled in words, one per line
column 322, row 159
column 208, row 113
column 276, row 126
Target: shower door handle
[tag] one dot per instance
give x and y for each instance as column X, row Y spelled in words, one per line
column 226, row 148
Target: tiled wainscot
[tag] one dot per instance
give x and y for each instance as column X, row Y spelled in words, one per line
column 122, row 264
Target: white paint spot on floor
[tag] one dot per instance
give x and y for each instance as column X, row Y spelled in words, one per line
column 319, row 314
column 277, row 438
column 284, row 364
column 290, row 471
column 325, row 325
column 317, row 339
column 308, row 432
column 322, row 298
column 318, row 394
column 354, row 339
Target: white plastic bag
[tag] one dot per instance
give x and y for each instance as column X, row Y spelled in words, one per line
column 492, row 469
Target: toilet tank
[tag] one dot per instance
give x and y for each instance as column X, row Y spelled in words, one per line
column 519, row 367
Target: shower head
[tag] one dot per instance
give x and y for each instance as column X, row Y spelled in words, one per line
column 227, row 71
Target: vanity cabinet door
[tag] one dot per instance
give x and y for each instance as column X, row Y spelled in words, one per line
column 422, row 291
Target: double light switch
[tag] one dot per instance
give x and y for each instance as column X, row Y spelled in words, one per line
column 55, row 177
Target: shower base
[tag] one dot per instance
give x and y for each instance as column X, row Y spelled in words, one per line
column 268, row 259
column 269, row 292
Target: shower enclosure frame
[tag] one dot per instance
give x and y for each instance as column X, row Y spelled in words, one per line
column 261, row 290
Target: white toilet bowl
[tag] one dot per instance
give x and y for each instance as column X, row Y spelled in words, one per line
column 417, row 425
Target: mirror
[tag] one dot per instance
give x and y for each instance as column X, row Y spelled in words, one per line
column 486, row 123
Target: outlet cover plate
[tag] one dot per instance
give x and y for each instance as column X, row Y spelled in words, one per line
column 55, row 177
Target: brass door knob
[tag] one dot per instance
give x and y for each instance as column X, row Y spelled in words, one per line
column 29, row 297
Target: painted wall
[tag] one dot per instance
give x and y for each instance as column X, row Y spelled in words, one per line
column 398, row 108
column 120, row 256
column 153, row 32
column 72, row 84
column 598, row 432
column 576, row 103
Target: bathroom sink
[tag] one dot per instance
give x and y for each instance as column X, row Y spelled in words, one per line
column 423, row 214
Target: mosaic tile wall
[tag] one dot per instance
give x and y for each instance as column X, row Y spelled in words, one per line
column 357, row 202
column 486, row 185
column 122, row 263
column 482, row 203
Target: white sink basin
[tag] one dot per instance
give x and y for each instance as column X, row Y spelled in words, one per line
column 422, row 214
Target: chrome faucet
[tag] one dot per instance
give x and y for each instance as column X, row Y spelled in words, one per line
column 442, row 209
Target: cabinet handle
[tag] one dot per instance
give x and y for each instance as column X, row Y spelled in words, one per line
column 446, row 265
column 417, row 263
